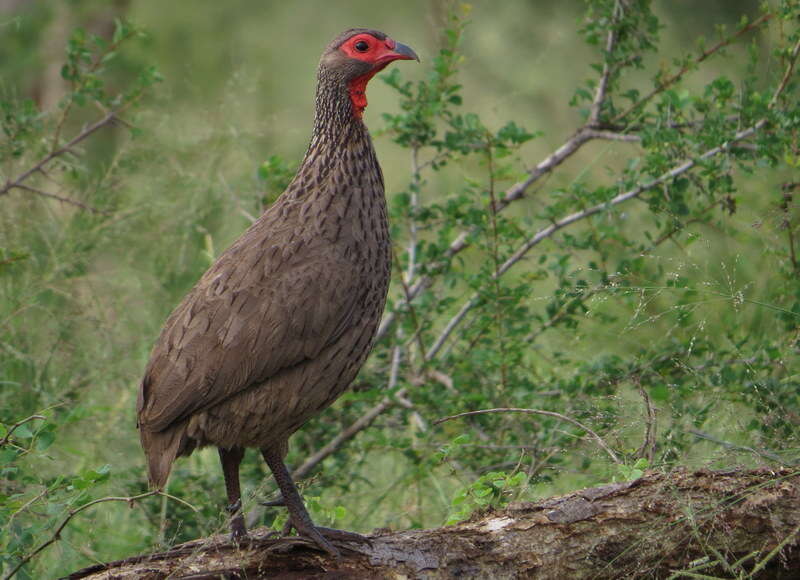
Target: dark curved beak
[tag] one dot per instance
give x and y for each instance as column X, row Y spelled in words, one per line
column 404, row 52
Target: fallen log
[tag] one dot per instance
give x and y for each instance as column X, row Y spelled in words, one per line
column 676, row 525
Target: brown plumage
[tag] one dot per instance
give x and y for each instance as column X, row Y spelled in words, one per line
column 279, row 326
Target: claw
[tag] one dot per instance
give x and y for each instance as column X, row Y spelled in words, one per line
column 311, row 532
column 274, row 503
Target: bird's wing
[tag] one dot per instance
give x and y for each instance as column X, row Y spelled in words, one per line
column 251, row 315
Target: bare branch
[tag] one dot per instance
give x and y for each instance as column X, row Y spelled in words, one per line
column 452, row 324
column 356, row 427
column 612, row 136
column 62, row 199
column 578, row 424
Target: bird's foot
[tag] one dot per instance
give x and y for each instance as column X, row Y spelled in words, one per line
column 238, row 529
column 310, row 532
column 327, row 533
column 322, row 537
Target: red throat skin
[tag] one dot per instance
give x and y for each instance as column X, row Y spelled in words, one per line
column 358, row 91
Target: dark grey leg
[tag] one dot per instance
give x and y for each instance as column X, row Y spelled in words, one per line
column 298, row 514
column 230, row 459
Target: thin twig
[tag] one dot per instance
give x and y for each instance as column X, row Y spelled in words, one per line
column 786, row 75
column 602, row 85
column 787, row 222
column 648, row 448
column 411, row 310
column 774, row 552
column 575, row 422
column 63, row 199
column 27, row 504
column 451, row 326
column 86, row 132
column 706, row 54
column 18, row 424
column 495, row 251
column 766, row 454
column 412, row 226
column 56, row 535
column 98, row 61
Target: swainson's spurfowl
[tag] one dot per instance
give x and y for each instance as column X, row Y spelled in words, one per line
column 279, row 326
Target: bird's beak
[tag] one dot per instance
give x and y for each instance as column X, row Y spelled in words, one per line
column 403, row 52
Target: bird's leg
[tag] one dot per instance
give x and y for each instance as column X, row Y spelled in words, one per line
column 298, row 514
column 230, row 459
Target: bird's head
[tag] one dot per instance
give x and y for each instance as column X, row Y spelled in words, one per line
column 356, row 55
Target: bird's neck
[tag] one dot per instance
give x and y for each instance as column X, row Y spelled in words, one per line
column 339, row 106
column 340, row 145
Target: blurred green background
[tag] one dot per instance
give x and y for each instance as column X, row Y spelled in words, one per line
column 81, row 311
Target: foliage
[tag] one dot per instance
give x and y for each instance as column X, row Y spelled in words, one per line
column 640, row 280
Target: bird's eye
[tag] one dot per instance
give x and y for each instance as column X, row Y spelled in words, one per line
column 362, row 46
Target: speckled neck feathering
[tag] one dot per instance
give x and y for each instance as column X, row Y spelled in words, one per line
column 279, row 326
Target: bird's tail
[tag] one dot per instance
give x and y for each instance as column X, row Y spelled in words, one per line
column 161, row 448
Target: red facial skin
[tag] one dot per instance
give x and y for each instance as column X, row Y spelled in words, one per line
column 379, row 53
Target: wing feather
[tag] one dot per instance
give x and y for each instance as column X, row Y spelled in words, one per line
column 266, row 304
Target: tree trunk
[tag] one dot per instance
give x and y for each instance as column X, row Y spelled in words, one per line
column 711, row 523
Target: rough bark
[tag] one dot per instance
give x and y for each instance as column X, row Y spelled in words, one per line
column 648, row 528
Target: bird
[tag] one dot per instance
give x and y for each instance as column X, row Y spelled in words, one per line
column 280, row 324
